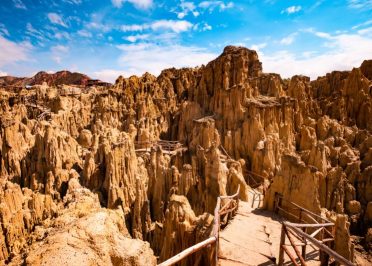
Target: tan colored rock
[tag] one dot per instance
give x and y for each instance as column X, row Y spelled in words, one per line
column 310, row 140
column 182, row 228
column 353, row 207
column 86, row 234
column 342, row 238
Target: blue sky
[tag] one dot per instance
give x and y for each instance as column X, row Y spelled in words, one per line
column 108, row 38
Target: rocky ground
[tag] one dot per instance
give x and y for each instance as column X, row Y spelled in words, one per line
column 82, row 182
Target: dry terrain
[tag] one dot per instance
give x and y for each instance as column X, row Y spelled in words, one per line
column 129, row 173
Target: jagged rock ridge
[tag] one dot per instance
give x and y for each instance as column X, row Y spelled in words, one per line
column 310, row 139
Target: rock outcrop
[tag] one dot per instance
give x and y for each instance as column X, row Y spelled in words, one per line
column 86, row 234
column 310, row 140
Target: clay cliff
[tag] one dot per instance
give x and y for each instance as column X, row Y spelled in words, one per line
column 52, row 79
column 95, row 157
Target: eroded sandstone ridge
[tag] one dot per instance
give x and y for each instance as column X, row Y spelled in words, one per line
column 74, row 157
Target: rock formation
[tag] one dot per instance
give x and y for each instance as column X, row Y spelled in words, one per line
column 72, row 159
column 55, row 79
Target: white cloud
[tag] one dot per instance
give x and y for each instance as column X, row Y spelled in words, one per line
column 366, row 23
column 141, row 4
column 211, row 5
column 319, row 34
column 56, row 19
column 19, row 4
column 98, row 26
column 361, row 4
column 84, row 33
column 187, row 8
column 3, row 30
column 62, row 35
column 181, row 15
column 73, row 2
column 134, row 27
column 258, row 47
column 59, row 49
column 173, row 25
column 57, row 59
column 288, row 40
column 226, row 6
column 138, row 37
column 206, row 27
column 308, row 54
column 57, row 52
column 12, row 52
column 2, row 73
column 136, row 59
column 292, row 10
column 31, row 31
column 366, row 31
column 345, row 51
column 110, row 75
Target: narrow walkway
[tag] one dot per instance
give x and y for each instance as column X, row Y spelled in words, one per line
column 253, row 238
column 168, row 147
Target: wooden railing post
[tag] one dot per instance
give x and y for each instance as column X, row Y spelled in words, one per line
column 323, row 256
column 253, row 199
column 304, row 246
column 217, row 240
column 282, row 243
column 214, row 238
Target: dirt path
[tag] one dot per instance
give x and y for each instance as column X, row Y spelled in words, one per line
column 252, row 238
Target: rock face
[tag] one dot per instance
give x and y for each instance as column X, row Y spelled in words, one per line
column 86, row 234
column 55, row 79
column 310, row 140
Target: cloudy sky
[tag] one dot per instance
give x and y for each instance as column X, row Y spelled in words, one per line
column 108, row 38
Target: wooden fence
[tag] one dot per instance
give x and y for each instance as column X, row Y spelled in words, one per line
column 254, row 180
column 221, row 213
column 166, row 145
column 310, row 229
column 42, row 112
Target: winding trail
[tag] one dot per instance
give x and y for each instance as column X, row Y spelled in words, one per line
column 253, row 238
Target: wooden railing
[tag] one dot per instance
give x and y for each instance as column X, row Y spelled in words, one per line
column 256, row 197
column 228, row 209
column 253, row 179
column 166, row 145
column 44, row 112
column 295, row 212
column 311, row 229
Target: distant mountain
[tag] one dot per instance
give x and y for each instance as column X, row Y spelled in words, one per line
column 58, row 78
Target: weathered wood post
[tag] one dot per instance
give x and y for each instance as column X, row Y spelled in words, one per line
column 323, row 256
column 282, row 243
column 305, row 243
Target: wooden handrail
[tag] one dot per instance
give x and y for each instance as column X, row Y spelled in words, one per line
column 299, row 230
column 312, row 225
column 223, row 149
column 166, row 145
column 187, row 252
column 255, row 174
column 307, row 212
column 319, row 244
column 214, row 238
